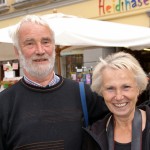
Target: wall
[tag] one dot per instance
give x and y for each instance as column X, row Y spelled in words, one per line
column 86, row 9
column 89, row 9
column 92, row 55
column 125, row 11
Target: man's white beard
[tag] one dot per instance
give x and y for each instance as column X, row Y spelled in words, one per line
column 41, row 70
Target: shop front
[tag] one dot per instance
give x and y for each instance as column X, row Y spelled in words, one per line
column 120, row 11
column 9, row 73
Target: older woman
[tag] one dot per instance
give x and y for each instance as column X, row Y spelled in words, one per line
column 120, row 79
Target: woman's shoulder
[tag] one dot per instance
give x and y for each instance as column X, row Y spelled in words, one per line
column 100, row 125
column 146, row 108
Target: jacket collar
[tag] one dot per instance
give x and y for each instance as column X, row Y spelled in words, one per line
column 98, row 132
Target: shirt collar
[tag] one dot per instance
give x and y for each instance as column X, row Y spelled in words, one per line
column 54, row 81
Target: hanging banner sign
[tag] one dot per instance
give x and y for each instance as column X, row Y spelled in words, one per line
column 117, row 6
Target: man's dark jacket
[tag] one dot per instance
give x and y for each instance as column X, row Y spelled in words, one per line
column 49, row 118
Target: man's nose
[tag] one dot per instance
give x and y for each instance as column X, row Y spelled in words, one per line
column 39, row 49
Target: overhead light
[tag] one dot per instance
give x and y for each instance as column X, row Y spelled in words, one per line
column 146, row 49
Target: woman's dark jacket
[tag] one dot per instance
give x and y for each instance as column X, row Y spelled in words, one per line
column 95, row 137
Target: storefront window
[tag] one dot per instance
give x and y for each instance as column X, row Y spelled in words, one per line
column 76, row 71
column 73, row 62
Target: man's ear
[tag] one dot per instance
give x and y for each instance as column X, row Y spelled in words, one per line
column 16, row 52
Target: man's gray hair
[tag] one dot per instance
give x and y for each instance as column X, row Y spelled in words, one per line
column 14, row 33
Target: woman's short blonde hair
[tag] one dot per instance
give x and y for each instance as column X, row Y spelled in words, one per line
column 119, row 60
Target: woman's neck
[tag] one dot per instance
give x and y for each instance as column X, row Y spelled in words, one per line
column 123, row 128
